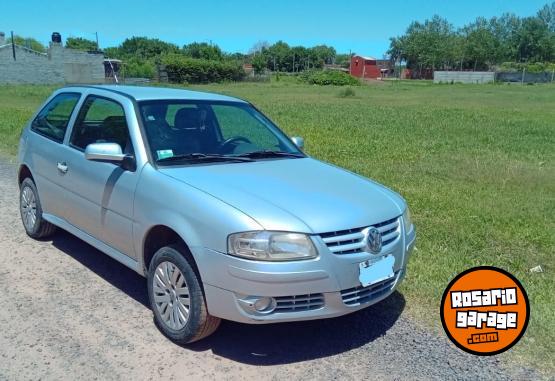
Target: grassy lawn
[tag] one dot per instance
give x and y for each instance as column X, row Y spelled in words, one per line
column 476, row 164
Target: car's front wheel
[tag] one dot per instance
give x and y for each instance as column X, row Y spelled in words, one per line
column 31, row 211
column 176, row 297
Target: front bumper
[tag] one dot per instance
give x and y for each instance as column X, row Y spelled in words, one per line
column 325, row 287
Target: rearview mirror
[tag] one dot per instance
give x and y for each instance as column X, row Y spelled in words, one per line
column 105, row 152
column 299, row 142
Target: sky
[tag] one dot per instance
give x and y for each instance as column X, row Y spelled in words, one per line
column 362, row 27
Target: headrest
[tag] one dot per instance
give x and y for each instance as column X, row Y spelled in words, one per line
column 187, row 119
column 114, row 121
column 155, row 111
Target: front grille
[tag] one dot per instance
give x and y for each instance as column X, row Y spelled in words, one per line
column 297, row 303
column 354, row 240
column 360, row 295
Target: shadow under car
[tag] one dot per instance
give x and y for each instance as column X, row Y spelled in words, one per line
column 264, row 344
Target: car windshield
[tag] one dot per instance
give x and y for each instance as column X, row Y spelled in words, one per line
column 212, row 131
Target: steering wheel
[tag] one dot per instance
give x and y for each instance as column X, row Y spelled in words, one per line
column 226, row 144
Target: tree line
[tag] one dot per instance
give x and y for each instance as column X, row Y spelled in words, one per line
column 480, row 45
column 507, row 41
column 145, row 52
column 282, row 57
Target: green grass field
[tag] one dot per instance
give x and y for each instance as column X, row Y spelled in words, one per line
column 476, row 164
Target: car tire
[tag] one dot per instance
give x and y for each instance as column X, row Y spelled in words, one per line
column 177, row 299
column 31, row 211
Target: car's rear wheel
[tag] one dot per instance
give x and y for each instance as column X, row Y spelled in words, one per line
column 31, row 211
column 176, row 297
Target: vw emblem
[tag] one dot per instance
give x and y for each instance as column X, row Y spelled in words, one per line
column 374, row 240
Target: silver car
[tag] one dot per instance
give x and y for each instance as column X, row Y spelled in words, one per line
column 203, row 195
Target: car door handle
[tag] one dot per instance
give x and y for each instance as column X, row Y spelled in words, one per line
column 62, row 167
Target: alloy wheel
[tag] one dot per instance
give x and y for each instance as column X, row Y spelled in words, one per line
column 28, row 208
column 171, row 295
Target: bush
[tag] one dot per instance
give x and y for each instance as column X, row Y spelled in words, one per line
column 328, row 77
column 530, row 67
column 182, row 69
column 134, row 68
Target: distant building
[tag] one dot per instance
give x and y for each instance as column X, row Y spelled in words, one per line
column 248, row 69
column 19, row 64
column 387, row 67
column 364, row 67
column 370, row 67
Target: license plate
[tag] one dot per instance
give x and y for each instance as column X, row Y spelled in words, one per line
column 374, row 272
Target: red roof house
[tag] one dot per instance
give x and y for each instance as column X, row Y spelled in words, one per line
column 364, row 67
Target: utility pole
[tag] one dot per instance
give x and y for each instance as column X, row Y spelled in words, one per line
column 96, row 34
column 400, row 64
column 13, row 47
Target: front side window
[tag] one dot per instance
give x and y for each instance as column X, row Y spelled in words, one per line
column 53, row 119
column 101, row 120
column 220, row 130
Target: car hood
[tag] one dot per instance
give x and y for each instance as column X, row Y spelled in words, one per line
column 303, row 195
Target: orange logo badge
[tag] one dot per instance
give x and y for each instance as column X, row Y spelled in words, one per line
column 485, row 310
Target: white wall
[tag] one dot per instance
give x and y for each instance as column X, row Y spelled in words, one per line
column 60, row 65
column 464, row 76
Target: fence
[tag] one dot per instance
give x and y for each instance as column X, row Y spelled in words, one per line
column 488, row 76
column 525, row 77
column 463, row 76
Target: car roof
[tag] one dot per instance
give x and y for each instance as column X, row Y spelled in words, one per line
column 145, row 93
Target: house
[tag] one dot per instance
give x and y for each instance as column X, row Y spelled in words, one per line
column 19, row 64
column 364, row 67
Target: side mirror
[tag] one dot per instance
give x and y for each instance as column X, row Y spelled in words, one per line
column 299, row 142
column 110, row 153
column 105, row 152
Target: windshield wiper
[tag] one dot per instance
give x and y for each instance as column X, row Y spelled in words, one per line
column 269, row 153
column 197, row 156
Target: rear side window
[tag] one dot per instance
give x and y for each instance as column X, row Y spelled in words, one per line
column 101, row 120
column 53, row 119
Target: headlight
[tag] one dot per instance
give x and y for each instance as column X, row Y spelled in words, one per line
column 271, row 246
column 407, row 221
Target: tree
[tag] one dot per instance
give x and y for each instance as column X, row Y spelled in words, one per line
column 203, row 50
column 259, row 63
column 81, row 44
column 535, row 42
column 343, row 60
column 113, row 52
column 238, row 57
column 29, row 43
column 323, row 54
column 145, row 48
column 547, row 15
column 480, row 44
column 300, row 55
column 279, row 57
column 426, row 45
column 259, row 47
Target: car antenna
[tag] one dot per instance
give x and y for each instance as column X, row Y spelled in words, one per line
column 113, row 71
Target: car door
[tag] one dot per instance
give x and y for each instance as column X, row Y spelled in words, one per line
column 47, row 131
column 100, row 200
